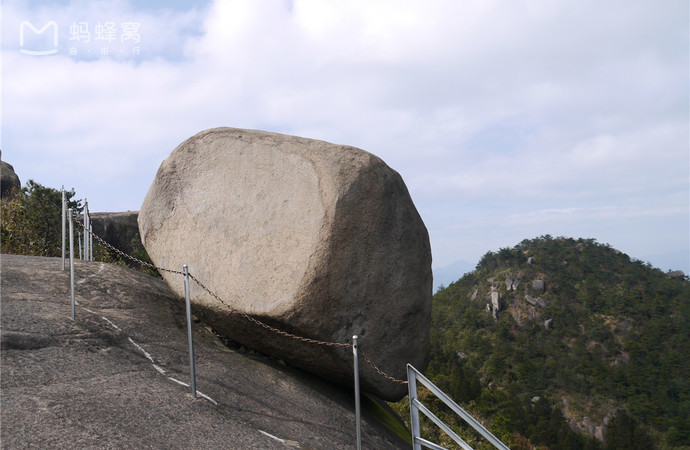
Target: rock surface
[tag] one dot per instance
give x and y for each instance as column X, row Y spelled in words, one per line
column 117, row 228
column 538, row 286
column 88, row 383
column 9, row 181
column 317, row 239
column 535, row 301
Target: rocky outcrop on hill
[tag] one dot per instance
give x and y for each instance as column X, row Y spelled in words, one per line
column 119, row 229
column 588, row 425
column 9, row 181
column 535, row 301
column 116, row 376
column 494, row 304
column 512, row 283
column 676, row 274
column 317, row 239
column 538, row 286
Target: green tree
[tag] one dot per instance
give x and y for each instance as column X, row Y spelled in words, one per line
column 31, row 220
column 623, row 432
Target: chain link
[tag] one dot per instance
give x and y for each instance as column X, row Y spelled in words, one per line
column 234, row 310
column 266, row 326
column 125, row 255
column 381, row 372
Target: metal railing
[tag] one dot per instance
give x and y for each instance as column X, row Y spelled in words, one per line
column 87, row 254
column 413, row 375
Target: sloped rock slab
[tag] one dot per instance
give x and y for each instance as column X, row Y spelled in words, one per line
column 112, row 378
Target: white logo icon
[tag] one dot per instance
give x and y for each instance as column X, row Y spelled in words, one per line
column 50, row 51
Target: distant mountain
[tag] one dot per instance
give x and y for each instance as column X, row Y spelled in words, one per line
column 567, row 343
column 445, row 275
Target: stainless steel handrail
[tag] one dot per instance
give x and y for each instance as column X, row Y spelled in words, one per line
column 413, row 375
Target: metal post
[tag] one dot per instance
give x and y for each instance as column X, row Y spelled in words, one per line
column 414, row 411
column 81, row 258
column 185, row 269
column 86, row 230
column 64, row 220
column 71, row 262
column 91, row 239
column 358, row 414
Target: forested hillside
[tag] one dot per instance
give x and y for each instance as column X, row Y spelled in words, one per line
column 557, row 340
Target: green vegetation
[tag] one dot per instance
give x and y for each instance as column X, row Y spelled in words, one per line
column 31, row 220
column 31, row 224
column 617, row 350
column 140, row 253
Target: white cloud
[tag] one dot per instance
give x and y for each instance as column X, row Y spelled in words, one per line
column 497, row 110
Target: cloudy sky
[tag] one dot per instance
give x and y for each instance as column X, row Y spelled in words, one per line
column 507, row 119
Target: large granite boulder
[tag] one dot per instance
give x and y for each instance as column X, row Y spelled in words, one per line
column 316, row 239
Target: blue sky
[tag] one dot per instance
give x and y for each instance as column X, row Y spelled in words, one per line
column 507, row 119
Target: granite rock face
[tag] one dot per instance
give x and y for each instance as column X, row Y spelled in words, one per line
column 118, row 229
column 538, row 286
column 316, row 239
column 9, row 181
column 113, row 377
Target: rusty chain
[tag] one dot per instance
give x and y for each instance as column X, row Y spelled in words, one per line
column 381, row 372
column 293, row 336
column 244, row 315
column 266, row 326
column 121, row 253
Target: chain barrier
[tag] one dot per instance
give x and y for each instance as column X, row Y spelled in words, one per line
column 266, row 326
column 125, row 255
column 381, row 372
column 244, row 315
